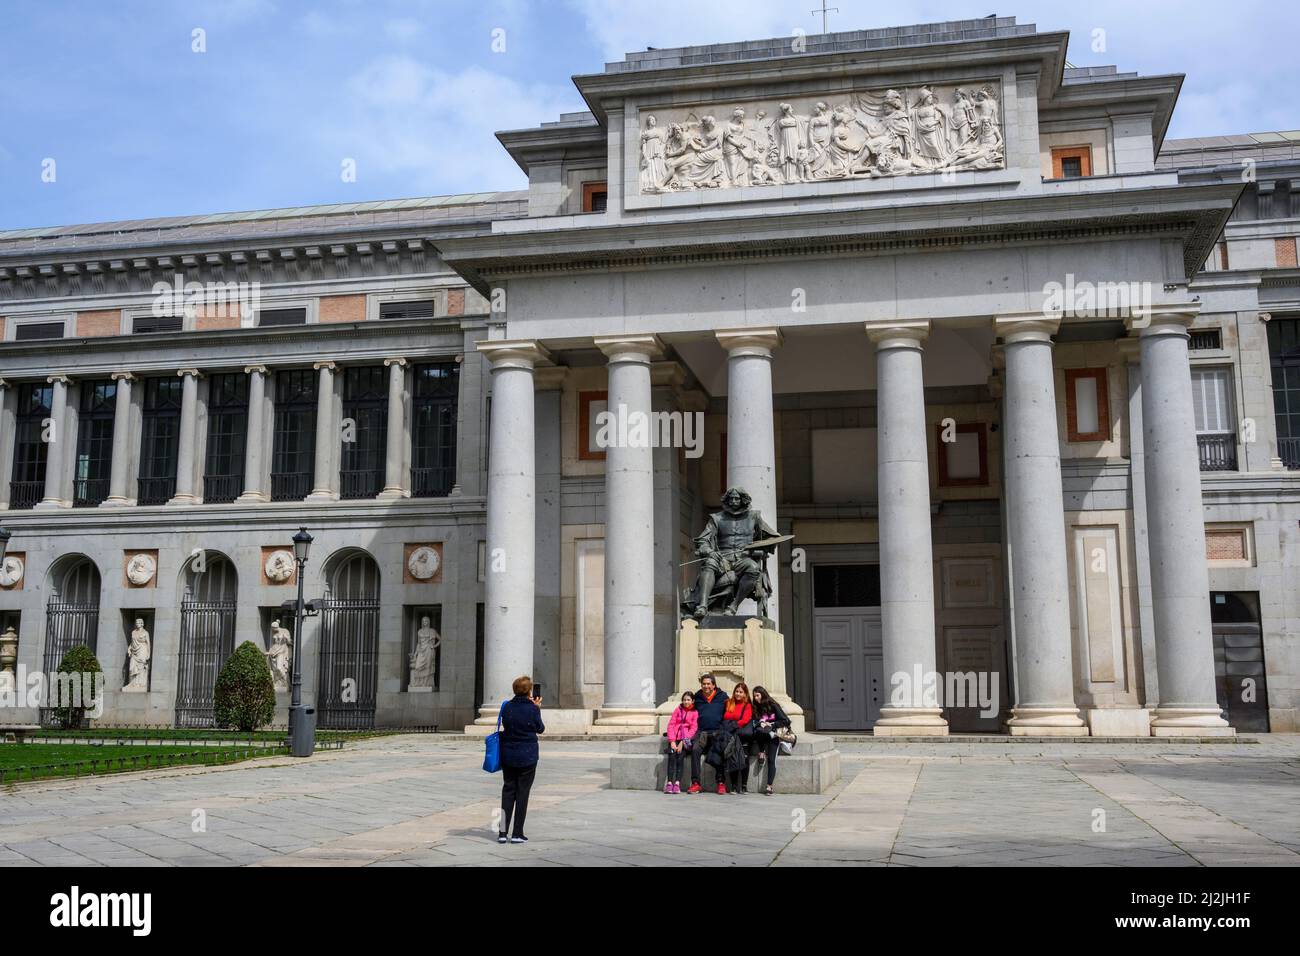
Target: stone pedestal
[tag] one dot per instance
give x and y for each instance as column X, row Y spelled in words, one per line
column 750, row 650
column 812, row 768
column 1118, row 721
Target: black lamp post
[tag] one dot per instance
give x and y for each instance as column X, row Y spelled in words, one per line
column 302, row 720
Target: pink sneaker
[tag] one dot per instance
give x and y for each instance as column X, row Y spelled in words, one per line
column 677, row 788
column 668, row 788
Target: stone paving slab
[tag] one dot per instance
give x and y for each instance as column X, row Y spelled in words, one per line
column 422, row 800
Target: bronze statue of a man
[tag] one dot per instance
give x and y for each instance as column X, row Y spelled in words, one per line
column 731, row 570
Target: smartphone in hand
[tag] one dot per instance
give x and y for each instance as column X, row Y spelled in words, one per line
column 537, row 692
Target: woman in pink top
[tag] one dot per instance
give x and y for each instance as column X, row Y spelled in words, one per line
column 682, row 727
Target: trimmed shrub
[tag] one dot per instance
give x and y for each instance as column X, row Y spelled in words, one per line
column 79, row 660
column 245, row 693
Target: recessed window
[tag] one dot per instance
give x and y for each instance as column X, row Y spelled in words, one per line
column 433, row 429
column 595, row 196
column 143, row 324
column 1071, row 162
column 223, row 471
column 590, row 406
column 159, row 440
column 1216, row 425
column 365, row 405
column 1087, row 406
column 29, row 331
column 964, row 458
column 27, row 485
column 1205, row 340
column 282, row 317
column 94, row 443
column 293, row 448
column 415, row 309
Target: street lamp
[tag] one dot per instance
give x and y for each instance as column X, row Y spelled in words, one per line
column 302, row 720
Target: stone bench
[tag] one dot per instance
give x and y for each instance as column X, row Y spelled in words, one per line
column 640, row 764
column 18, row 732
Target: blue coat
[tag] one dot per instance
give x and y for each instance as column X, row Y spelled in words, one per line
column 710, row 712
column 521, row 722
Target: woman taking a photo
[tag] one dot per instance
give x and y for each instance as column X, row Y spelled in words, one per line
column 521, row 722
column 768, row 718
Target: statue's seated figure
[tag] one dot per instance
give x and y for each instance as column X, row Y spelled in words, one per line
column 731, row 571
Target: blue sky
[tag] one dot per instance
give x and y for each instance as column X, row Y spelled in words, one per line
column 140, row 125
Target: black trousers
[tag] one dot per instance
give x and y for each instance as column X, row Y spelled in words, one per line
column 515, row 784
column 699, row 749
column 673, row 772
column 769, row 744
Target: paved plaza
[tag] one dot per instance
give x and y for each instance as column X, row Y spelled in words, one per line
column 422, row 800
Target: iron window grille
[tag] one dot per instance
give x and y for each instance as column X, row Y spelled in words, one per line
column 1284, row 357
column 160, row 440
column 365, row 408
column 144, row 324
column 269, row 317
column 94, row 443
column 223, row 469
column 31, row 331
column 293, row 449
column 27, row 481
column 433, row 429
column 1205, row 340
column 416, row 309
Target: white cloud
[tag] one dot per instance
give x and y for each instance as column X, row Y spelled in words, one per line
column 403, row 29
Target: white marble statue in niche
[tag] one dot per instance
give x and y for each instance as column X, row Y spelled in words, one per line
column 138, row 651
column 865, row 135
column 280, row 656
column 423, row 657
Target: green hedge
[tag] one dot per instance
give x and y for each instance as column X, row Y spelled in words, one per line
column 245, row 692
column 79, row 659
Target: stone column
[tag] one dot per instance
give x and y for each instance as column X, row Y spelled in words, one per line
column 1036, row 531
column 117, row 481
column 751, row 445
column 511, row 521
column 1180, row 584
column 395, row 447
column 906, row 553
column 254, row 442
column 327, row 435
column 7, row 443
column 188, row 438
column 629, row 535
column 58, row 438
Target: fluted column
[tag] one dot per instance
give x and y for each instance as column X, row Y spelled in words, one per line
column 395, row 444
column 327, row 434
column 188, row 438
column 254, row 440
column 1180, row 584
column 751, row 443
column 117, row 480
column 1036, row 529
column 58, row 439
column 906, row 552
column 511, row 521
column 630, row 695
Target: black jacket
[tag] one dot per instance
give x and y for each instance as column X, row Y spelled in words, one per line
column 521, row 722
column 710, row 712
column 777, row 716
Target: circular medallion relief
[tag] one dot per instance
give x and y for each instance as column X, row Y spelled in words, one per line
column 279, row 566
column 11, row 571
column 423, row 563
column 141, row 569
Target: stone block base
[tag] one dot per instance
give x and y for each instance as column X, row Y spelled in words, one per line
column 1118, row 722
column 558, row 720
column 1047, row 731
column 812, row 768
column 1193, row 731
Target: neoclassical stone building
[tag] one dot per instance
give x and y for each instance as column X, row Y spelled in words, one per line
column 1019, row 375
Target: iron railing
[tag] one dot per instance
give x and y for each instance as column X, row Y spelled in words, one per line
column 88, row 492
column 156, row 491
column 360, row 482
column 67, row 624
column 222, row 489
column 291, row 486
column 1218, row 452
column 207, row 640
column 1288, row 449
column 349, row 664
column 433, row 482
column 25, row 494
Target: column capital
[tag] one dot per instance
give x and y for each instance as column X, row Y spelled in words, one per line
column 182, row 372
column 514, row 353
column 398, row 361
column 757, row 342
column 123, row 376
column 630, row 348
column 1026, row 327
column 250, row 369
column 891, row 334
column 1163, row 319
column 330, row 364
column 58, row 378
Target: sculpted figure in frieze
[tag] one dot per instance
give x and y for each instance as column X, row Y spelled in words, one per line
column 865, row 135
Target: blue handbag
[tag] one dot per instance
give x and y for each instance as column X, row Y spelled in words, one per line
column 492, row 746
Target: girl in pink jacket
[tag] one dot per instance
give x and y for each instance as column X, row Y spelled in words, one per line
column 682, row 727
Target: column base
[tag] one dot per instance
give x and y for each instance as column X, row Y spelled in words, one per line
column 48, row 504
column 390, row 494
column 1190, row 722
column 1046, row 722
column 318, row 495
column 252, row 497
column 910, row 722
column 113, row 502
column 625, row 720
column 177, row 500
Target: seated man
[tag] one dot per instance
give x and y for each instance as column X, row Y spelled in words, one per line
column 710, row 704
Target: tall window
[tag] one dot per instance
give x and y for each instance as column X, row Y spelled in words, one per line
column 1284, row 356
column 294, row 444
column 159, row 440
column 365, row 413
column 1216, row 430
column 223, row 470
column 27, row 484
column 433, row 429
column 94, row 443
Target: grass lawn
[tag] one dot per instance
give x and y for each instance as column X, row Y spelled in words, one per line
column 182, row 734
column 42, row 761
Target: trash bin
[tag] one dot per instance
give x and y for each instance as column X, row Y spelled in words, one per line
column 302, row 731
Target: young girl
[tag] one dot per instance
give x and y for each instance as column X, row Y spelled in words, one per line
column 738, row 718
column 682, row 728
column 768, row 718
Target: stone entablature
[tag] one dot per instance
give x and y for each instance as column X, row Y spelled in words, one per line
column 863, row 133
